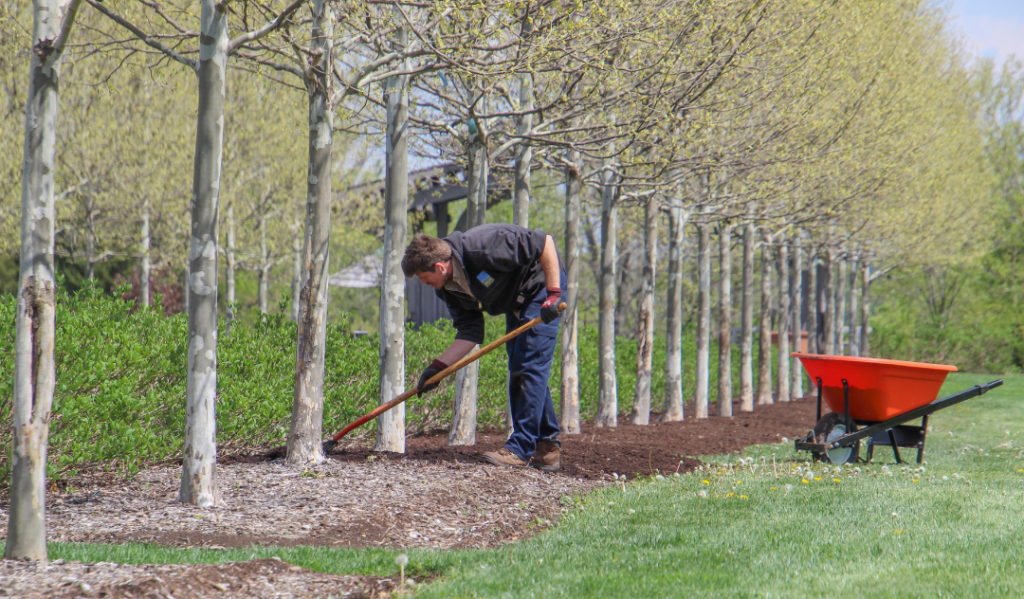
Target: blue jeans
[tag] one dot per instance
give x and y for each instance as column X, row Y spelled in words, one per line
column 529, row 368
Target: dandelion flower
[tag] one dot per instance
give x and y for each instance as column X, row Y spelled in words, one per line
column 632, row 511
column 945, row 478
column 785, row 439
column 402, row 560
column 809, row 474
column 702, row 493
column 788, row 489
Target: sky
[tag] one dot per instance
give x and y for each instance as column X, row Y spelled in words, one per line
column 992, row 28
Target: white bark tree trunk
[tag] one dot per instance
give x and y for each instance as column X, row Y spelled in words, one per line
column 841, row 308
column 569, row 417
column 524, row 155
column 463, row 428
column 305, row 442
column 229, row 278
column 391, row 424
column 747, row 324
column 865, row 309
column 830, row 305
column 467, row 379
column 854, row 300
column 703, row 316
column 725, row 320
column 796, row 385
column 145, row 267
column 35, row 323
column 764, row 355
column 645, row 320
column 812, row 308
column 674, row 317
column 783, row 332
column 607, row 406
column 199, row 466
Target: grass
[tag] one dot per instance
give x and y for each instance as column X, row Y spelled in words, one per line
column 736, row 530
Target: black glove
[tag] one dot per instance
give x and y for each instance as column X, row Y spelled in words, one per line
column 435, row 367
column 549, row 309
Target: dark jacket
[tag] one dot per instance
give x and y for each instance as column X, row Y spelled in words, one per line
column 502, row 263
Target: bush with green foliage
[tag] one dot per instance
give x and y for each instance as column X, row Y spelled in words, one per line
column 119, row 400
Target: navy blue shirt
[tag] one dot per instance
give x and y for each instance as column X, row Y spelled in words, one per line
column 502, row 263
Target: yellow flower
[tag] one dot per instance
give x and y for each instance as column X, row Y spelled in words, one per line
column 837, row 480
column 804, row 481
column 817, row 478
column 705, row 482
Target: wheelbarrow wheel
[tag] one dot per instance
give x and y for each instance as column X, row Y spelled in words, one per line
column 832, row 426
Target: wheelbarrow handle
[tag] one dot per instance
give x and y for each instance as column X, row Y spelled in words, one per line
column 465, row 361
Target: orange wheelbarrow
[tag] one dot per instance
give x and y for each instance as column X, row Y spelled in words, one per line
column 871, row 401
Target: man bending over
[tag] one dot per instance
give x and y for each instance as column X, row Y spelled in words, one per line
column 510, row 270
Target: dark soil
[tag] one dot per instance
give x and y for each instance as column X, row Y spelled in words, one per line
column 661, row 447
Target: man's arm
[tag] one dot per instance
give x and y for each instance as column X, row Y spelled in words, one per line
column 459, row 349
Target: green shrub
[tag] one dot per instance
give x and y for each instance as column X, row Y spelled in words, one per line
column 120, row 394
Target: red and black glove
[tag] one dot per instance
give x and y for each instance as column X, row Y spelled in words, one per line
column 549, row 309
column 435, row 367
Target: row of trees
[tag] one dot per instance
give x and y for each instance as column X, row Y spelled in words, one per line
column 813, row 132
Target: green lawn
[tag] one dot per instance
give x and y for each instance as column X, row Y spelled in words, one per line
column 954, row 529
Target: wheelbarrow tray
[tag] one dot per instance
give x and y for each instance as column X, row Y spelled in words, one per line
column 878, row 389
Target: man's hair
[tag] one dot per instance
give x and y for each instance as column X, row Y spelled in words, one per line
column 423, row 253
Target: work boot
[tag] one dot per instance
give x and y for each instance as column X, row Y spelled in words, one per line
column 503, row 457
column 546, row 458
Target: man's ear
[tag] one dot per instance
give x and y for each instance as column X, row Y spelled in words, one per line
column 441, row 267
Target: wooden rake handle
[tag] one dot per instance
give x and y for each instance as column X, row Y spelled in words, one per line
column 465, row 361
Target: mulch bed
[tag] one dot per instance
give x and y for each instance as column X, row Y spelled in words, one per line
column 597, row 452
column 433, row 496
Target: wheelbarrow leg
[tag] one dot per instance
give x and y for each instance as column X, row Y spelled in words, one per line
column 924, row 433
column 895, row 448
column 818, row 417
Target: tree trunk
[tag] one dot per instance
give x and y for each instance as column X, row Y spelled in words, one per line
column 703, row 315
column 796, row 385
column 144, row 263
column 725, row 321
column 466, row 380
column 607, row 406
column 570, row 409
column 463, row 428
column 674, row 316
column 854, row 299
column 819, row 306
column 391, row 424
column 764, row 355
column 812, row 302
column 305, row 433
column 264, row 285
column 841, row 308
column 35, row 323
column 747, row 324
column 524, row 155
column 645, row 320
column 830, row 306
column 199, row 464
column 231, row 265
column 623, row 291
column 865, row 309
column 784, row 315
